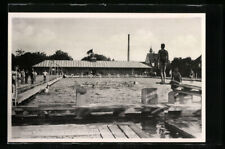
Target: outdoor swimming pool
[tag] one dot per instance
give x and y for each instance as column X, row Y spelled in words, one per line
column 108, row 91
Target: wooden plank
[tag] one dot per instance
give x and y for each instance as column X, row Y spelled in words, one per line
column 117, row 133
column 196, row 93
column 159, row 110
column 187, row 86
column 128, row 131
column 138, row 131
column 41, row 131
column 105, row 132
column 85, row 110
column 191, row 86
column 107, row 108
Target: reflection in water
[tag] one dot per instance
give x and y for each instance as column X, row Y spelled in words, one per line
column 155, row 128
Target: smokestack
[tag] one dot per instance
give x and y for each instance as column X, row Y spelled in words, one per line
column 128, row 52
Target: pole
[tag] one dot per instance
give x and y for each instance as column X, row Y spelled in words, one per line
column 128, row 53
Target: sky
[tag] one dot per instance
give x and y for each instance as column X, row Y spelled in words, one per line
column 183, row 37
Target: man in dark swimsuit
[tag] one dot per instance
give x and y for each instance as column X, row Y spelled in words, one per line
column 163, row 58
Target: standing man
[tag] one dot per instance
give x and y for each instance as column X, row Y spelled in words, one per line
column 163, row 58
column 26, row 76
column 45, row 75
column 32, row 76
column 22, row 76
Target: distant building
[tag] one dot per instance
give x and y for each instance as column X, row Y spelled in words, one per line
column 69, row 67
column 152, row 59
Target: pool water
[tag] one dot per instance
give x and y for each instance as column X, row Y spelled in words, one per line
column 102, row 91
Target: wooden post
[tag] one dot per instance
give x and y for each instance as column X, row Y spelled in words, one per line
column 149, row 96
column 171, row 97
column 80, row 96
column 185, row 99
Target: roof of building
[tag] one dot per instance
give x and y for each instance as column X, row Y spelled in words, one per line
column 87, row 64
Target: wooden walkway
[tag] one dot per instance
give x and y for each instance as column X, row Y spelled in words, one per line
column 39, row 80
column 82, row 111
column 74, row 131
column 37, row 89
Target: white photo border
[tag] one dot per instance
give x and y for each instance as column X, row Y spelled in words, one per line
column 202, row 16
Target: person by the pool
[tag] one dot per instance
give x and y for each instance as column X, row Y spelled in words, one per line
column 163, row 58
column 191, row 74
column 176, row 78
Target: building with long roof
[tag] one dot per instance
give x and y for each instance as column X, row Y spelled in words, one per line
column 77, row 67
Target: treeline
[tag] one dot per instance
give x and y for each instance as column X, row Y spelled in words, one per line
column 25, row 60
column 185, row 65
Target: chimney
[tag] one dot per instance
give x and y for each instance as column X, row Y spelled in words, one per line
column 128, row 52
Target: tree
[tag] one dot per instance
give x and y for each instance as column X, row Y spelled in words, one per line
column 26, row 60
column 184, row 65
column 19, row 52
column 13, row 61
column 60, row 55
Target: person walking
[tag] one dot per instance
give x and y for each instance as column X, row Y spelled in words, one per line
column 18, row 77
column 163, row 58
column 32, row 76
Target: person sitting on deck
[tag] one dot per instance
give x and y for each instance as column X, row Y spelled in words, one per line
column 176, row 79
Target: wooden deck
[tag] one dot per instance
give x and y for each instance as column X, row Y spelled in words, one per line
column 74, row 131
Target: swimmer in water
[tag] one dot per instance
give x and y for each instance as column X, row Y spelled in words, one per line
column 47, row 88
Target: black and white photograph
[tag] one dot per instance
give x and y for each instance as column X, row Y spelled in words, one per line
column 106, row 77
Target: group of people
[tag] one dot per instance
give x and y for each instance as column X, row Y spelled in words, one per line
column 22, row 76
column 176, row 78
